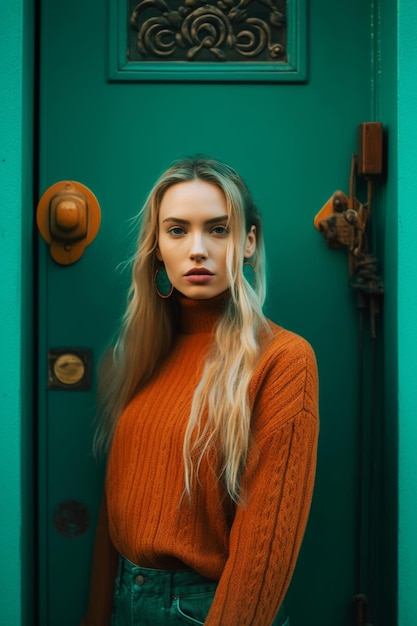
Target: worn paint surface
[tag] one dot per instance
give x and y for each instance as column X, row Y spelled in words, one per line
column 407, row 311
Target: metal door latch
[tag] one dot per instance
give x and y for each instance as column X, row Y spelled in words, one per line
column 68, row 218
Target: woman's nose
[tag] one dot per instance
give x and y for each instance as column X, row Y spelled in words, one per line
column 198, row 248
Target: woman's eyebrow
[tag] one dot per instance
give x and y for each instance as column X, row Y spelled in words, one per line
column 221, row 218
column 212, row 220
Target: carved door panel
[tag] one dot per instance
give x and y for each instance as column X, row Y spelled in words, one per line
column 270, row 93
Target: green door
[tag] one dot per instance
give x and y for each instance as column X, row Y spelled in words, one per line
column 291, row 138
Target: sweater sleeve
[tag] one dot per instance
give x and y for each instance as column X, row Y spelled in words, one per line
column 269, row 525
column 103, row 574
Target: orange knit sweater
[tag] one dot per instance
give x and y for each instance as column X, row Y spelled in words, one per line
column 251, row 551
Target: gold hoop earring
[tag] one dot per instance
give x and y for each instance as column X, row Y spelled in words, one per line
column 163, row 285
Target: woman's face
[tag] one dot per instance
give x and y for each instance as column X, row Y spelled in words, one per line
column 193, row 238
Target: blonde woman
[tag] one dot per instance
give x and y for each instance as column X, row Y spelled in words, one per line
column 210, row 420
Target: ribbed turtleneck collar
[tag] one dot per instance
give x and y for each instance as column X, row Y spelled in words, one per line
column 201, row 316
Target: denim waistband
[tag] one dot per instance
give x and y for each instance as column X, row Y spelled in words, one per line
column 170, row 584
column 167, row 583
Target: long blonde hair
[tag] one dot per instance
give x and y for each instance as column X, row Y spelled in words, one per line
column 150, row 323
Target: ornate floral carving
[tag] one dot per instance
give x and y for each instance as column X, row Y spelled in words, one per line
column 195, row 30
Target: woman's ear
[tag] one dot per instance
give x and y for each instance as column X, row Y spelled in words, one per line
column 158, row 254
column 250, row 247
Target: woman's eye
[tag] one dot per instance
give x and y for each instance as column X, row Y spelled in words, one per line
column 220, row 230
column 176, row 230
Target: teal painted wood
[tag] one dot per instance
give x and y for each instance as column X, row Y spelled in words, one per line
column 16, row 314
column 407, row 304
column 295, row 70
column 292, row 143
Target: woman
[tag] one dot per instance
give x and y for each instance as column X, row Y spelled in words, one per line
column 210, row 419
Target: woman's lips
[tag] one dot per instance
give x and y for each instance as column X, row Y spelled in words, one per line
column 199, row 275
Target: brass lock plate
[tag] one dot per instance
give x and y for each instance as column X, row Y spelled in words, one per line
column 69, row 369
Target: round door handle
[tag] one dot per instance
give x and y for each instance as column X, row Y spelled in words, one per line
column 68, row 218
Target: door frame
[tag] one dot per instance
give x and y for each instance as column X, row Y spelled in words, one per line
column 18, row 190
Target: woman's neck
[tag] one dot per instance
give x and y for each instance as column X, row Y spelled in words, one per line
column 201, row 316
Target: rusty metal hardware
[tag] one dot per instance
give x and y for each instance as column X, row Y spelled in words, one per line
column 370, row 149
column 344, row 221
column 68, row 218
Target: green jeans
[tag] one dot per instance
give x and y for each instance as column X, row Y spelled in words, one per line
column 148, row 597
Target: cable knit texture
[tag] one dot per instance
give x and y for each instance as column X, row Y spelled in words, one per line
column 251, row 550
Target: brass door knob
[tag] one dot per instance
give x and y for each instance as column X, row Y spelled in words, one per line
column 68, row 218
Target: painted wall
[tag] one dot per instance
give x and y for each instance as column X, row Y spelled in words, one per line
column 407, row 310
column 16, row 313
